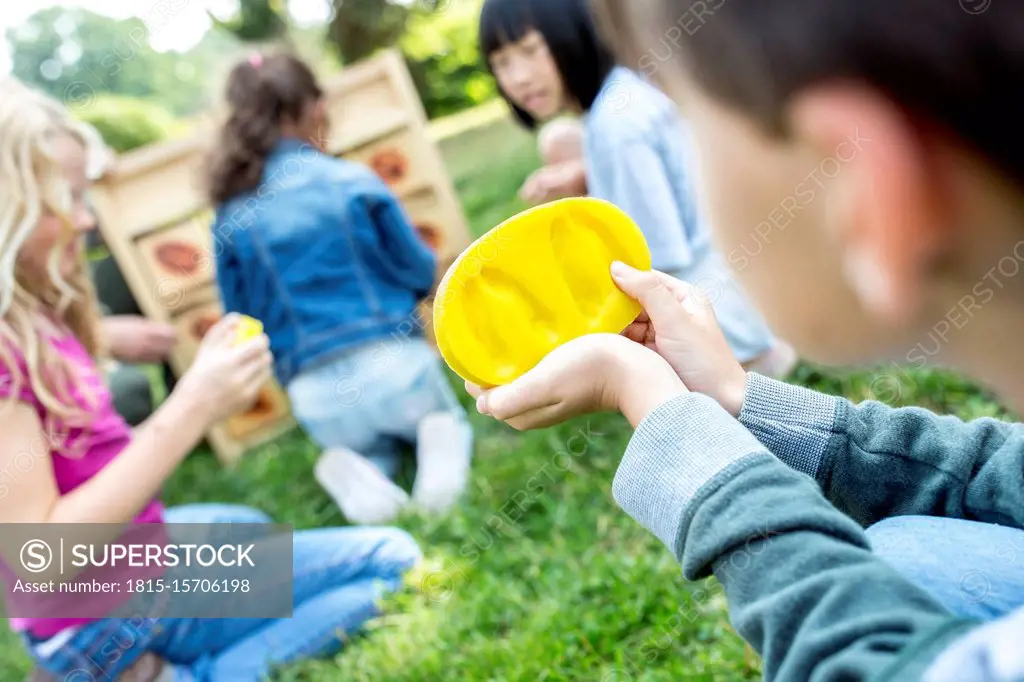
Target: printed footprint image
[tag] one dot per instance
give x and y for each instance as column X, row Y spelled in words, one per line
column 390, row 164
column 430, row 235
column 536, row 281
column 178, row 258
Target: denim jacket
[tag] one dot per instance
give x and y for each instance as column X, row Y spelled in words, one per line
column 323, row 254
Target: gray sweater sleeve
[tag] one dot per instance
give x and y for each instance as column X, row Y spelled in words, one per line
column 803, row 586
column 874, row 461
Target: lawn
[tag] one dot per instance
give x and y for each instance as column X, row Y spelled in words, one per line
column 538, row 576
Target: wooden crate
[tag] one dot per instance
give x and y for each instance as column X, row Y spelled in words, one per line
column 156, row 222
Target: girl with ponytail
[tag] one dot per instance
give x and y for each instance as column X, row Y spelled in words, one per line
column 321, row 251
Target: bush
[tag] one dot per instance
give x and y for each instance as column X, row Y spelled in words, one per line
column 126, row 123
column 442, row 52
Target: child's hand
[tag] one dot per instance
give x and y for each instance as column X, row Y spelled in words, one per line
column 226, row 375
column 594, row 373
column 551, row 183
column 679, row 323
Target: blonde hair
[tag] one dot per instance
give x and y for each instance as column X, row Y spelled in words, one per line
column 32, row 184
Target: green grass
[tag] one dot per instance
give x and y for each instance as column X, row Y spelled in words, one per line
column 538, row 576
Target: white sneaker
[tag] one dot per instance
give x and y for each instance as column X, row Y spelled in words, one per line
column 364, row 494
column 444, row 448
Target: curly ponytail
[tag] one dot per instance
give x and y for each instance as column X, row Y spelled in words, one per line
column 262, row 93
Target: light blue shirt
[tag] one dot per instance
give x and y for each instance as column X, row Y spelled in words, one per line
column 640, row 156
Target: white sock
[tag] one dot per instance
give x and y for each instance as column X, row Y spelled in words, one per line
column 364, row 494
column 443, row 453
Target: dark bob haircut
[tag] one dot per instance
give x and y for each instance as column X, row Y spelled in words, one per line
column 569, row 30
column 952, row 65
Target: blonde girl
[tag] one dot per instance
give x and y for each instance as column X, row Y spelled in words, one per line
column 91, row 468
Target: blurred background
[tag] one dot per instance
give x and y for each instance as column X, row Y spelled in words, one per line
column 146, row 71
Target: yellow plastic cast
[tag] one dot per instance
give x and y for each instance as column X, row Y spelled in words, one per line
column 536, row 281
column 248, row 328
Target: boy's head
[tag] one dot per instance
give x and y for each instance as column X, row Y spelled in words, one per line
column 560, row 141
column 861, row 161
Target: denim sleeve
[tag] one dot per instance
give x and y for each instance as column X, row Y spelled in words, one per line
column 406, row 258
column 874, row 461
column 230, row 275
column 804, row 588
column 633, row 177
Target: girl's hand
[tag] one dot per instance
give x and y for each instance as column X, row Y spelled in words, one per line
column 226, row 376
column 551, row 183
column 594, row 373
column 679, row 324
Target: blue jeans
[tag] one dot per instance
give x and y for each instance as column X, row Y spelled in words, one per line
column 339, row 575
column 976, row 570
column 372, row 399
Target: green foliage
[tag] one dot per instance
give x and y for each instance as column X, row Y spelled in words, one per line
column 126, row 123
column 360, row 27
column 256, row 20
column 438, row 38
column 76, row 55
column 443, row 56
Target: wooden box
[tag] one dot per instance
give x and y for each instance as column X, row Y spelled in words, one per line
column 156, row 222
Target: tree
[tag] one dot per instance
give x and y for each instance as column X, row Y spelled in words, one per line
column 357, row 27
column 442, row 50
column 256, row 21
column 267, row 24
column 76, row 55
column 438, row 38
column 360, row 27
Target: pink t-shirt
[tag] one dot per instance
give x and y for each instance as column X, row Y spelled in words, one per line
column 77, row 454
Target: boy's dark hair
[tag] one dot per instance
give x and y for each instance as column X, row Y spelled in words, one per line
column 568, row 28
column 261, row 93
column 955, row 64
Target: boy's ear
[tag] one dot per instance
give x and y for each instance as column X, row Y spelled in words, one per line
column 885, row 203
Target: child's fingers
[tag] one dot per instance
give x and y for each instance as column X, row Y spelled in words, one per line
column 680, row 289
column 540, row 418
column 529, row 188
column 637, row 331
column 654, row 290
column 254, row 350
column 222, row 331
column 530, row 392
column 256, row 360
column 258, row 376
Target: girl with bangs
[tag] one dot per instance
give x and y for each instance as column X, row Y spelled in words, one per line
column 549, row 61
